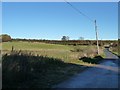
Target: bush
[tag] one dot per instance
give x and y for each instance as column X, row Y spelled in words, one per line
column 5, row 38
column 94, row 60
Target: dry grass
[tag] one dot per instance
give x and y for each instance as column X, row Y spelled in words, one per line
column 23, row 70
column 69, row 54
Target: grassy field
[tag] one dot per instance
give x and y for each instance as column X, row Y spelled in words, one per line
column 50, row 63
column 32, row 46
column 67, row 53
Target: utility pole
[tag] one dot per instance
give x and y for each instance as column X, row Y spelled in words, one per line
column 97, row 38
column 90, row 20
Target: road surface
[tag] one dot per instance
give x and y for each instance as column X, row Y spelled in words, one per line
column 103, row 75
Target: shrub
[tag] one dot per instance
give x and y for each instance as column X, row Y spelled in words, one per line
column 94, row 60
column 5, row 38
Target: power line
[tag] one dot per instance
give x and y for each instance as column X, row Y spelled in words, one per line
column 90, row 20
column 78, row 10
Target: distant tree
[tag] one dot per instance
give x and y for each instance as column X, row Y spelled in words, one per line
column 65, row 38
column 5, row 38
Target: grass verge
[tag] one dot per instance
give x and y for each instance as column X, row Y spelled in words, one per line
column 22, row 70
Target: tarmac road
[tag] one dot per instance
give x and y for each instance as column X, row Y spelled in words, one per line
column 103, row 75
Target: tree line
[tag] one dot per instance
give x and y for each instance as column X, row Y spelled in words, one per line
column 73, row 42
column 64, row 41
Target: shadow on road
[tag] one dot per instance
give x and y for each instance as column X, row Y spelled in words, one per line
column 103, row 75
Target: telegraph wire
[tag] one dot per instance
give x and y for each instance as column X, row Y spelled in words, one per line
column 78, row 10
column 89, row 19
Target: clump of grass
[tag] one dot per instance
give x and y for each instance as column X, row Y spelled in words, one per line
column 94, row 60
column 114, row 49
column 88, row 51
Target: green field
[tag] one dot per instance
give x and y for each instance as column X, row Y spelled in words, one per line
column 32, row 46
column 67, row 53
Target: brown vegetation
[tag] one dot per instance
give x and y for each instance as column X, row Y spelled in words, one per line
column 5, row 38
